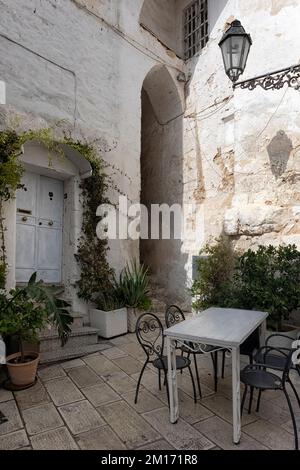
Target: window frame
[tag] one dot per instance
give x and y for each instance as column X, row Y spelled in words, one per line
column 200, row 30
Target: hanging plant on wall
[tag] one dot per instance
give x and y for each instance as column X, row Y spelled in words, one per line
column 11, row 172
column 95, row 274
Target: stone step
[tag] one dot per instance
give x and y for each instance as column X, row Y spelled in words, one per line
column 79, row 337
column 158, row 306
column 66, row 353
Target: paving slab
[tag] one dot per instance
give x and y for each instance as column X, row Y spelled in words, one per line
column 182, row 436
column 14, row 440
column 131, row 428
column 81, row 417
column 33, row 396
column 114, row 353
column 73, row 363
column 120, row 382
column 128, row 364
column 83, row 376
column 57, row 439
column 101, row 365
column 158, row 445
column 146, row 401
column 135, row 350
column 5, row 395
column 100, row 394
column 222, row 407
column 51, row 372
column 220, row 432
column 63, row 391
column 190, row 411
column 41, row 418
column 100, row 439
column 10, row 410
column 271, row 435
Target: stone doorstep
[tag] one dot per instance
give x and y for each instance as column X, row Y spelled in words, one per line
column 66, row 354
column 79, row 337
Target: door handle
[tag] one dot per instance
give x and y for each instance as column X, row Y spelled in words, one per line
column 50, row 223
column 24, row 219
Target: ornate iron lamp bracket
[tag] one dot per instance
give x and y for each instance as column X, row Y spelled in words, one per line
column 289, row 76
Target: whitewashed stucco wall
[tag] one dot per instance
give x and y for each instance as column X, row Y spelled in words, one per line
column 242, row 148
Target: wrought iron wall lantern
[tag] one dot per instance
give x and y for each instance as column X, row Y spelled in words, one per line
column 235, row 46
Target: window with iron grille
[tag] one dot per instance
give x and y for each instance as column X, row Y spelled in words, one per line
column 195, row 27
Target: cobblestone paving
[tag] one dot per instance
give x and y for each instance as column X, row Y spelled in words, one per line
column 88, row 403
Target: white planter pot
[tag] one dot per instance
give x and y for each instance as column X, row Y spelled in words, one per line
column 133, row 315
column 109, row 324
column 279, row 341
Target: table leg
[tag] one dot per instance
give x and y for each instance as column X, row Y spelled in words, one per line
column 236, row 395
column 172, row 380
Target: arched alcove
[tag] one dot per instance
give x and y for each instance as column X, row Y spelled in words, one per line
column 161, row 178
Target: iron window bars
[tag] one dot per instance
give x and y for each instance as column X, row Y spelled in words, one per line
column 195, row 27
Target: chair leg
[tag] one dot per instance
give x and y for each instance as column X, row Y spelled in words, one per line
column 244, row 399
column 293, row 418
column 159, row 379
column 139, row 382
column 167, row 386
column 258, row 401
column 197, row 375
column 216, row 371
column 193, row 383
column 223, row 364
column 251, row 400
column 295, row 391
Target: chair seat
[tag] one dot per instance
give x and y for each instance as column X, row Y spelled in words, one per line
column 271, row 360
column 260, row 379
column 206, row 347
column 181, row 363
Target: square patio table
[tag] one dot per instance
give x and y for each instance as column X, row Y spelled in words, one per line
column 223, row 328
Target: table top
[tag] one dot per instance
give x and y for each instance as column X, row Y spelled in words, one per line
column 218, row 327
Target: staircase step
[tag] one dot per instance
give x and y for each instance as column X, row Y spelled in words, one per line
column 65, row 354
column 79, row 337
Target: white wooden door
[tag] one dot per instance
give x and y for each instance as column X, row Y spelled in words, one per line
column 39, row 228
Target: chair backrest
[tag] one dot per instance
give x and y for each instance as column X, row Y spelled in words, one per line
column 173, row 316
column 292, row 359
column 149, row 331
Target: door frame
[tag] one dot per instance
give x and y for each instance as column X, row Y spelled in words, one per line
column 38, row 159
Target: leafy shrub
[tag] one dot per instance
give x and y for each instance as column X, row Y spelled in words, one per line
column 267, row 279
column 215, row 269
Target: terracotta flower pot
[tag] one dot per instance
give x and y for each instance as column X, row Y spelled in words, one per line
column 22, row 373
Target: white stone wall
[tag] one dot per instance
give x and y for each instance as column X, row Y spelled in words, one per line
column 85, row 61
column 242, row 148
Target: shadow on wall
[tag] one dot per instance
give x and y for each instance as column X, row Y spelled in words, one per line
column 162, row 179
column 279, row 150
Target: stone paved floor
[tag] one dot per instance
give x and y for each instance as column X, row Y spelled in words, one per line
column 88, row 404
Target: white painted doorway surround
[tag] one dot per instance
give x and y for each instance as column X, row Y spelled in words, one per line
column 39, row 230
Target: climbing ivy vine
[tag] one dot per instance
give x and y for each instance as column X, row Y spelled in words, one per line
column 96, row 275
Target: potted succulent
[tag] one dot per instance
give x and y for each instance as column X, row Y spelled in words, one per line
column 24, row 312
column 133, row 290
column 110, row 316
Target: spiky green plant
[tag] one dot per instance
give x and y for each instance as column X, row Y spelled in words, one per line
column 133, row 286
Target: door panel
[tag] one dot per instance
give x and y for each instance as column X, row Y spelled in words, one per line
column 39, row 229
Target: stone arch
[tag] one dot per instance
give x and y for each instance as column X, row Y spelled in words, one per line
column 162, row 178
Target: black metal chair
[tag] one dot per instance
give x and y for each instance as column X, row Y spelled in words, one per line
column 247, row 348
column 276, row 360
column 149, row 332
column 175, row 315
column 256, row 376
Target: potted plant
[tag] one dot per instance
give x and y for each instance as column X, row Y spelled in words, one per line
column 24, row 312
column 133, row 290
column 110, row 316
